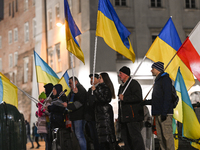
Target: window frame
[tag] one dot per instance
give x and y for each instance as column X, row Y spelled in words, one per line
column 10, row 37
column 0, row 42
column 26, row 32
column 26, row 69
column 15, row 34
column 10, row 61
column 1, row 67
column 50, row 19
column 15, row 58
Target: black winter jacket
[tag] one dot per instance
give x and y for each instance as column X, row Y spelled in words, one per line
column 130, row 109
column 161, row 96
column 77, row 107
column 104, row 114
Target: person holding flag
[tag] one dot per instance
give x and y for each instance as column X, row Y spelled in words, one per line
column 162, row 106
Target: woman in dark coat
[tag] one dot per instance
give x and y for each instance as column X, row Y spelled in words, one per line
column 104, row 93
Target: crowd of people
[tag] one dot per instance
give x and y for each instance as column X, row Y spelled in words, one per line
column 88, row 115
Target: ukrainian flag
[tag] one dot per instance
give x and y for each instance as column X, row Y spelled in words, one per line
column 164, row 48
column 44, row 73
column 71, row 32
column 114, row 33
column 64, row 81
column 8, row 91
column 191, row 126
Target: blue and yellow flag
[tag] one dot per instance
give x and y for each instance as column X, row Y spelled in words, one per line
column 64, row 81
column 44, row 73
column 8, row 91
column 191, row 126
column 71, row 32
column 114, row 33
column 164, row 49
column 175, row 132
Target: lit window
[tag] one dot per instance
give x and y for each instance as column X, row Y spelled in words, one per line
column 25, row 5
column 155, row 3
column 58, row 57
column 0, row 42
column 34, row 27
column 0, row 64
column 120, row 2
column 190, row 3
column 15, row 34
column 10, row 36
column 50, row 19
column 26, row 61
column 10, row 61
column 15, row 58
column 26, row 32
column 50, row 57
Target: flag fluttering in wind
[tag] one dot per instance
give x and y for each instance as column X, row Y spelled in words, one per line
column 164, row 48
column 64, row 81
column 114, row 33
column 191, row 126
column 44, row 73
column 71, row 32
column 8, row 91
column 190, row 50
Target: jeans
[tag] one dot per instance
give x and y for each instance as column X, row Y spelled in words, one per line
column 78, row 128
column 29, row 137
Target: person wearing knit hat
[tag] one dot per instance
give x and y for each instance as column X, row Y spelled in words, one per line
column 162, row 105
column 42, row 96
column 158, row 66
column 131, row 113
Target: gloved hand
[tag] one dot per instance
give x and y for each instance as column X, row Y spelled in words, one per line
column 163, row 118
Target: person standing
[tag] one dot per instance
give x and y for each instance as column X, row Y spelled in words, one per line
column 90, row 112
column 162, row 106
column 75, row 106
column 28, row 133
column 36, row 137
column 104, row 117
column 130, row 112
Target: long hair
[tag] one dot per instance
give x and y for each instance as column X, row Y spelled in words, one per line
column 108, row 82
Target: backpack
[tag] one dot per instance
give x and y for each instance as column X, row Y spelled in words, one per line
column 175, row 98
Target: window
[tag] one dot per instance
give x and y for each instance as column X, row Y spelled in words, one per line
column 25, row 5
column 190, row 3
column 57, row 12
column 153, row 37
column 15, row 58
column 50, row 19
column 155, row 3
column 50, row 57
column 33, row 2
column 10, row 61
column 120, row 2
column 58, row 57
column 79, row 10
column 26, row 61
column 0, row 64
column 10, row 36
column 0, row 42
column 9, row 9
column 15, row 34
column 16, row 5
column 15, row 77
column 121, row 57
column 34, row 27
column 26, row 32
column 13, row 9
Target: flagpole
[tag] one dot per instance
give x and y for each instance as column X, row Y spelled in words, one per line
column 164, row 70
column 95, row 54
column 36, row 72
column 134, row 74
column 71, row 56
column 30, row 97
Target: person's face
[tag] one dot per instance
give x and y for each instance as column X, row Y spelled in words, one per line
column 155, row 72
column 122, row 76
column 100, row 79
column 95, row 80
column 54, row 91
column 71, row 84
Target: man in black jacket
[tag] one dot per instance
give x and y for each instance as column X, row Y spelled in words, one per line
column 130, row 112
column 162, row 106
column 77, row 98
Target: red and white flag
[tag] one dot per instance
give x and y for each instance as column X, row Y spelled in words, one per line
column 189, row 52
